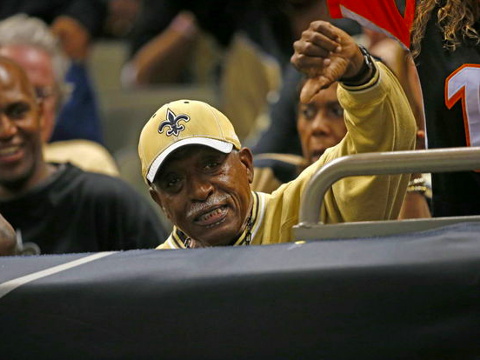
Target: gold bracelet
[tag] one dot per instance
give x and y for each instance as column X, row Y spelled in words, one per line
column 419, row 189
column 417, row 181
column 417, row 185
column 365, row 74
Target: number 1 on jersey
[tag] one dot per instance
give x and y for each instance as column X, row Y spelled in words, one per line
column 464, row 84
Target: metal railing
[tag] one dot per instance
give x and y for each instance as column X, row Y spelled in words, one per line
column 383, row 163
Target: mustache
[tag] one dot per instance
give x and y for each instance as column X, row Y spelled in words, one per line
column 198, row 208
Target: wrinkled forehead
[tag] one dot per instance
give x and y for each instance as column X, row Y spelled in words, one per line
column 35, row 61
column 186, row 157
column 189, row 152
column 12, row 75
column 4, row 75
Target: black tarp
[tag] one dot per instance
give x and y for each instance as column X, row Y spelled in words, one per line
column 398, row 297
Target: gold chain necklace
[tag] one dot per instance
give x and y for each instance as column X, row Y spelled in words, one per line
column 187, row 242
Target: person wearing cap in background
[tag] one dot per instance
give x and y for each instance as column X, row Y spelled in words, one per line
column 200, row 175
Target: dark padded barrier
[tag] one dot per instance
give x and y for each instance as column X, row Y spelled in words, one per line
column 408, row 297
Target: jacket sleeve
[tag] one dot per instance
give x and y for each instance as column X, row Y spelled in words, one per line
column 378, row 118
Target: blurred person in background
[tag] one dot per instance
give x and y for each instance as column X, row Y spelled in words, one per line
column 121, row 18
column 245, row 56
column 59, row 207
column 30, row 42
column 76, row 23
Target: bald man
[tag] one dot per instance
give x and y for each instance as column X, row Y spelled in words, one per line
column 59, row 207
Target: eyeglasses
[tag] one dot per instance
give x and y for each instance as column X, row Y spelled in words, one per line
column 44, row 92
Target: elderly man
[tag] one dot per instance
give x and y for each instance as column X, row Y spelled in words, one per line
column 200, row 175
column 59, row 207
column 30, row 42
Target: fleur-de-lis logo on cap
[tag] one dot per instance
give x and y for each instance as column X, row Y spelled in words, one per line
column 173, row 122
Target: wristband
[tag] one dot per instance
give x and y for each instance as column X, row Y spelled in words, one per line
column 366, row 73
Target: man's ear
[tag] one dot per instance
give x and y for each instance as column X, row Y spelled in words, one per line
column 156, row 198
column 246, row 158
column 154, row 195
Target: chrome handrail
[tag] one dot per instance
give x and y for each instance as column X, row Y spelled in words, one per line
column 382, row 163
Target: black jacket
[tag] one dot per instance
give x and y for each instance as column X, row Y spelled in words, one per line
column 77, row 211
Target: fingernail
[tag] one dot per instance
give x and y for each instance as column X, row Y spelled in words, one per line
column 338, row 49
